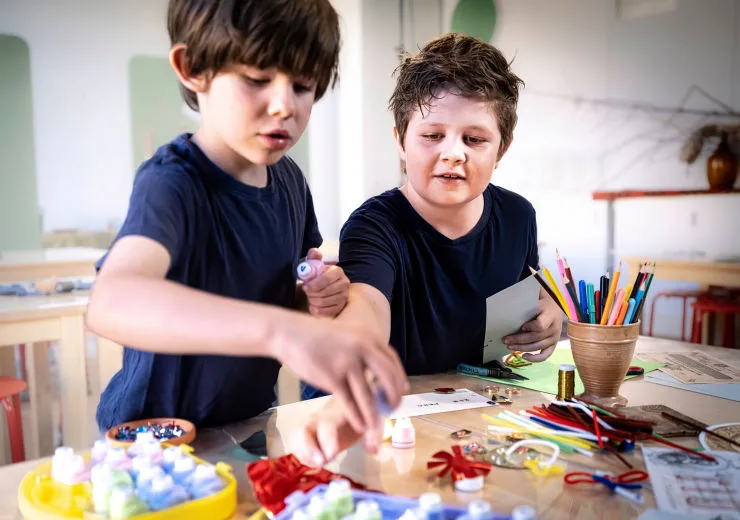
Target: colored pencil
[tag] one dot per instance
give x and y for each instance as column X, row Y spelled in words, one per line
column 583, row 293
column 547, row 289
column 568, row 297
column 638, row 280
column 630, row 311
column 572, row 291
column 623, row 312
column 556, row 290
column 610, row 298
column 597, row 304
column 638, row 312
column 592, row 299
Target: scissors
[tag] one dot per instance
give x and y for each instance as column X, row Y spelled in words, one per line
column 625, row 484
column 495, row 368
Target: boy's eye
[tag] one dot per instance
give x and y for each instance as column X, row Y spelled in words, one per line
column 256, row 81
column 433, row 137
column 302, row 88
column 475, row 140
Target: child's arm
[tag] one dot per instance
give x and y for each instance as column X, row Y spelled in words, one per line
column 133, row 304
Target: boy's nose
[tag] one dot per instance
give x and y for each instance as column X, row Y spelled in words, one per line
column 282, row 103
column 454, row 152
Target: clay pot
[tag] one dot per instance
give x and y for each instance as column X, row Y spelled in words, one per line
column 602, row 354
column 722, row 167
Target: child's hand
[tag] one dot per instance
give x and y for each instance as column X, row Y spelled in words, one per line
column 336, row 357
column 540, row 334
column 328, row 292
column 326, row 435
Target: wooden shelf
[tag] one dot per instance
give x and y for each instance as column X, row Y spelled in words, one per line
column 634, row 194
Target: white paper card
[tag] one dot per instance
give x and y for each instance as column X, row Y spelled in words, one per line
column 688, row 484
column 506, row 312
column 425, row 404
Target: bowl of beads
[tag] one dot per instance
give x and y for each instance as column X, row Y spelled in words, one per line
column 170, row 431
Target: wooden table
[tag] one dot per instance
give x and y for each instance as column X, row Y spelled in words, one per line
column 36, row 321
column 404, row 472
column 725, row 274
column 19, row 266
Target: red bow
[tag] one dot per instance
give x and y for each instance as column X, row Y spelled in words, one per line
column 274, row 480
column 457, row 464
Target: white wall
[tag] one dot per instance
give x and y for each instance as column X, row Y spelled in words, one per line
column 79, row 71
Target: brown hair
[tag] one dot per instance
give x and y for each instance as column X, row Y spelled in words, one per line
column 299, row 37
column 463, row 65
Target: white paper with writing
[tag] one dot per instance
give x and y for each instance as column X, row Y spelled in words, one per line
column 425, row 404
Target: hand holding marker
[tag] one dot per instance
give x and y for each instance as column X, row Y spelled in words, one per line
column 307, row 270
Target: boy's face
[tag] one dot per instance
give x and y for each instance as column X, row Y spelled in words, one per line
column 451, row 151
column 257, row 113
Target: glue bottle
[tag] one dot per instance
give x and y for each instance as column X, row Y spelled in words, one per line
column 164, row 493
column 102, row 484
column 142, row 439
column 523, row 513
column 368, row 510
column 430, row 506
column 320, row 510
column 59, row 462
column 339, row 497
column 308, row 269
column 205, row 481
column 117, row 458
column 137, row 464
column 183, row 471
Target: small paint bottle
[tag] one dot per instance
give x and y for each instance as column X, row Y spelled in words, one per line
column 102, row 484
column 125, row 504
column 318, row 509
column 308, row 269
column 339, row 497
column 145, row 479
column 183, row 471
column 142, row 439
column 154, row 451
column 477, row 510
column 205, row 481
column 164, row 493
column 404, row 435
column 368, row 510
column 117, row 458
column 59, row 462
column 169, row 456
column 99, row 451
column 430, row 506
column 523, row 513
column 137, row 464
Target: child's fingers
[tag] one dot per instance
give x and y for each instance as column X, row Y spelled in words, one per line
column 314, row 254
column 320, row 302
column 541, row 356
column 304, row 446
column 330, row 276
column 364, row 398
column 347, row 400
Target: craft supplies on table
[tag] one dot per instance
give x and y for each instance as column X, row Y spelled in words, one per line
column 112, row 483
column 170, row 430
column 318, row 504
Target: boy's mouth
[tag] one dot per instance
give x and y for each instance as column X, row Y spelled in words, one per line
column 277, row 134
column 275, row 139
column 451, row 176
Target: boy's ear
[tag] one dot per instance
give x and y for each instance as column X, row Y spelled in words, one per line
column 401, row 151
column 503, row 152
column 179, row 63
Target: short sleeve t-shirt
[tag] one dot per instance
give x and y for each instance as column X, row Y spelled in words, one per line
column 437, row 287
column 226, row 238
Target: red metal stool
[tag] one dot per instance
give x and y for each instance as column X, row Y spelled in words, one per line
column 709, row 305
column 685, row 295
column 10, row 389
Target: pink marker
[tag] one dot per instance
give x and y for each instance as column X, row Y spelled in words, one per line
column 308, row 269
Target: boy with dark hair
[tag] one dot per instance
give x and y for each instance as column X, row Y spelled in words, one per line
column 200, row 279
column 422, row 259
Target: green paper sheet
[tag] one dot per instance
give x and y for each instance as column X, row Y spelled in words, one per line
column 543, row 377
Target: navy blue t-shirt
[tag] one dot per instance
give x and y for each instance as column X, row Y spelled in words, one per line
column 226, row 238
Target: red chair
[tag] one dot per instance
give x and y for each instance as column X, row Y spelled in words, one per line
column 685, row 295
column 708, row 305
column 10, row 389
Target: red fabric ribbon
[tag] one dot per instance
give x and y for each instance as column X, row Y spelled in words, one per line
column 457, row 464
column 275, row 479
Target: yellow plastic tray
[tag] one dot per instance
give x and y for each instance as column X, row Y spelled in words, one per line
column 41, row 498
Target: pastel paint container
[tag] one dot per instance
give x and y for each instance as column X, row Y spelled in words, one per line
column 205, row 481
column 117, row 458
column 319, row 509
column 99, row 451
column 309, row 269
column 59, row 462
column 477, row 510
column 368, row 510
column 101, row 476
column 68, row 468
column 339, row 497
column 125, row 504
column 142, row 439
column 404, row 435
column 169, row 456
column 145, row 479
column 430, row 506
column 139, row 463
column 183, row 471
column 164, row 493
